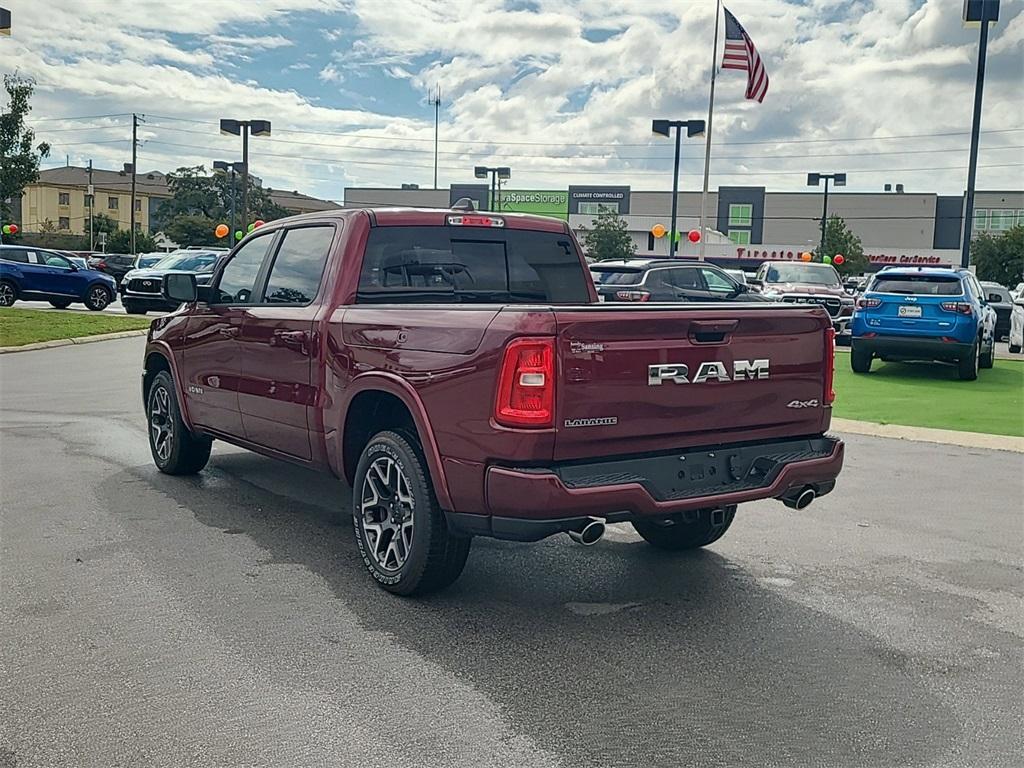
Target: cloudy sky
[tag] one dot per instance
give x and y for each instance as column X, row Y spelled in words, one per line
column 563, row 91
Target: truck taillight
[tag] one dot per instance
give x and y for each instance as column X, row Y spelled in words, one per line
column 864, row 302
column 632, row 295
column 526, row 384
column 957, row 306
column 830, row 364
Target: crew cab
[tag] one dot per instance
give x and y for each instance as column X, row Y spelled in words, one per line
column 458, row 371
column 803, row 282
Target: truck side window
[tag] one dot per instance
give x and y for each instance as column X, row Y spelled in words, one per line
column 299, row 265
column 238, row 280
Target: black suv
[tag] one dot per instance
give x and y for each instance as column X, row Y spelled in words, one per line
column 667, row 280
column 141, row 288
column 117, row 265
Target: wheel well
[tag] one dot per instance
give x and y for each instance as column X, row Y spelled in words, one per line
column 155, row 362
column 369, row 413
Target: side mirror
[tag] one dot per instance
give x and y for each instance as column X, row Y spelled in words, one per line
column 180, row 286
column 754, row 281
column 74, row 267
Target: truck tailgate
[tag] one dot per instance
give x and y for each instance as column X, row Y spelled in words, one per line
column 640, row 379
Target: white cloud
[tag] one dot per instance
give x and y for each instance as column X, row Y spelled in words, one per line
column 330, row 74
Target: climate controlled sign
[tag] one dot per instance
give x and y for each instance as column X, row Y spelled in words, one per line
column 540, row 202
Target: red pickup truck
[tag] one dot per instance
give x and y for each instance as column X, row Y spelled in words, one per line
column 457, row 369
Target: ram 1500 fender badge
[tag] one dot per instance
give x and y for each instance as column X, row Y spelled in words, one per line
column 605, row 421
column 679, row 373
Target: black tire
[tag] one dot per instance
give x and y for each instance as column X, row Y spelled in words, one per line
column 988, row 359
column 98, row 297
column 967, row 367
column 132, row 309
column 1015, row 349
column 179, row 452
column 433, row 556
column 687, row 531
column 860, row 359
column 8, row 293
column 60, row 303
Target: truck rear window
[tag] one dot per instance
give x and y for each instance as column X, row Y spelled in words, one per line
column 923, row 285
column 446, row 264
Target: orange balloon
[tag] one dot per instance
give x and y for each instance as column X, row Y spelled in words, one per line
column 805, row 256
column 658, row 230
column 221, row 230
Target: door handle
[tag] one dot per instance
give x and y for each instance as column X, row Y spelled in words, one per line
column 231, row 332
column 712, row 331
column 292, row 339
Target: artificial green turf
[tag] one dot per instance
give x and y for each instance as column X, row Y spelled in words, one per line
column 931, row 395
column 27, row 326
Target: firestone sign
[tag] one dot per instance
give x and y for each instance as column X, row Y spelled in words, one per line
column 917, row 256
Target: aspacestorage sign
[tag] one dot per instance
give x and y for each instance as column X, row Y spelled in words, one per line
column 541, row 202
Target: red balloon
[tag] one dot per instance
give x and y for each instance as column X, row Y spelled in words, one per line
column 694, row 236
column 258, row 223
column 838, row 259
column 14, row 229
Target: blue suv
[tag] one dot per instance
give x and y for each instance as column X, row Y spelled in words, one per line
column 35, row 273
column 924, row 313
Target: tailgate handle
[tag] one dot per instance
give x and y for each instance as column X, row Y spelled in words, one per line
column 711, row 331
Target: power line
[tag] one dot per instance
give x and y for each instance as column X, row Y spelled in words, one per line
column 82, row 117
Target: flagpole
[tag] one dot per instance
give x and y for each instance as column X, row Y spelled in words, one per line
column 707, row 140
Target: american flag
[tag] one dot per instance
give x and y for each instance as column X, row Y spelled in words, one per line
column 740, row 53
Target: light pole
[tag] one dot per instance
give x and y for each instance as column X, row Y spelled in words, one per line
column 814, row 180
column 224, row 166
column 244, row 128
column 982, row 12
column 500, row 172
column 663, row 128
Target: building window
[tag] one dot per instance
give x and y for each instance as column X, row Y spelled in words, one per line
column 1001, row 220
column 1020, row 218
column 138, row 205
column 112, row 203
column 740, row 236
column 63, row 222
column 741, row 215
column 89, row 202
column 650, row 242
column 63, row 198
column 596, row 208
column 980, row 218
column 138, row 226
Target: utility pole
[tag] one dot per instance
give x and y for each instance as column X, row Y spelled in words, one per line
column 135, row 158
column 435, row 99
column 92, row 206
column 245, row 175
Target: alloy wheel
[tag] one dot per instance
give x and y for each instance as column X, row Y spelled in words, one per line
column 387, row 513
column 6, row 295
column 98, row 297
column 160, row 423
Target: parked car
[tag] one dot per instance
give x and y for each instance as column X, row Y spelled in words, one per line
column 799, row 282
column 34, row 274
column 140, row 288
column 147, row 260
column 117, row 265
column 1017, row 325
column 1001, row 302
column 666, row 280
column 738, row 275
column 919, row 313
column 458, row 371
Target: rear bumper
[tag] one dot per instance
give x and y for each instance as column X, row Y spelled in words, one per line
column 528, row 504
column 927, row 348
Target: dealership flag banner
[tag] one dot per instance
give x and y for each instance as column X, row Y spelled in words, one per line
column 740, row 53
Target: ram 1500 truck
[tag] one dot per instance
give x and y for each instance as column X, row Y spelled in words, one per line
column 458, row 371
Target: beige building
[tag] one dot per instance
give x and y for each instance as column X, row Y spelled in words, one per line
column 59, row 200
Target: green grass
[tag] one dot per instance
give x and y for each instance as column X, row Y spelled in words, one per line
column 931, row 395
column 27, row 326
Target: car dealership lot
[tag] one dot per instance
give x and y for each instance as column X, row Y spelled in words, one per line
column 225, row 618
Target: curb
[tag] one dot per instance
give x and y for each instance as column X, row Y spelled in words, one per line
column 931, row 435
column 78, row 340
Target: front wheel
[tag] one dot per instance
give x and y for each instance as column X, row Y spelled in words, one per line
column 176, row 451
column 98, row 298
column 8, row 294
column 688, row 530
column 400, row 528
column 967, row 366
column 860, row 359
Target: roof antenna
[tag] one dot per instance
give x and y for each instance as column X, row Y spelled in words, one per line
column 463, row 204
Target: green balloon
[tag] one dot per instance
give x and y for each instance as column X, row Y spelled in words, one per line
column 7, row 229
column 252, row 227
column 239, row 234
column 827, row 259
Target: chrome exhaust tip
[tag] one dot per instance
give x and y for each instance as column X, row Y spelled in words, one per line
column 590, row 532
column 800, row 499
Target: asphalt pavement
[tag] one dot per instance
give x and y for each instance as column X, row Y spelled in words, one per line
column 226, row 620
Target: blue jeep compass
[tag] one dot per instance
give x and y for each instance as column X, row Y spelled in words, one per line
column 924, row 313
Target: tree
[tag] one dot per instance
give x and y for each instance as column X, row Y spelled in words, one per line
column 839, row 239
column 190, row 229
column 47, row 227
column 101, row 223
column 194, row 192
column 19, row 162
column 120, row 241
column 609, row 239
column 1000, row 258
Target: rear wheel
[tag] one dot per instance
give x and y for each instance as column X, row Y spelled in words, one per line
column 8, row 293
column 1015, row 348
column 60, row 303
column 176, row 450
column 860, row 359
column 967, row 366
column 988, row 356
column 97, row 298
column 400, row 528
column 688, row 530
